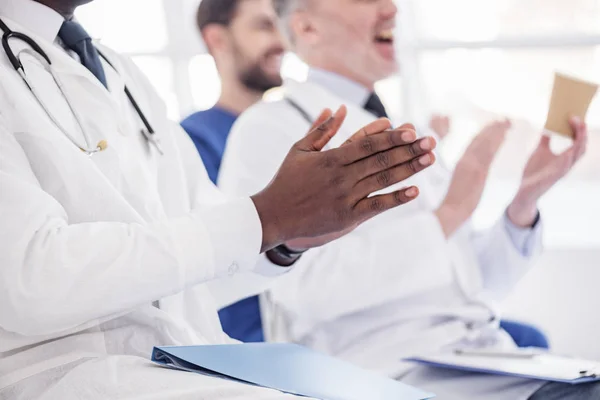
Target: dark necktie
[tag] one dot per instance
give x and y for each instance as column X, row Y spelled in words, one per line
column 77, row 39
column 375, row 106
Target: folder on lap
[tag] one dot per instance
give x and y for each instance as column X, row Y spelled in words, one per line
column 522, row 363
column 288, row 368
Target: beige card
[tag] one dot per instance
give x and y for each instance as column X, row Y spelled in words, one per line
column 570, row 97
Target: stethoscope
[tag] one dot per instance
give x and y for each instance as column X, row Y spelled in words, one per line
column 38, row 53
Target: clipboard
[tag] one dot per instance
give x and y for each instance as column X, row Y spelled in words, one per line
column 521, row 363
column 288, row 368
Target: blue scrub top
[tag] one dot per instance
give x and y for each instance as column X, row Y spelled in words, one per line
column 209, row 130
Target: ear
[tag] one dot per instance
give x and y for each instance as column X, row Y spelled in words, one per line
column 303, row 27
column 215, row 38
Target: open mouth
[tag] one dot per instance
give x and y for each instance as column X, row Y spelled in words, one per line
column 385, row 36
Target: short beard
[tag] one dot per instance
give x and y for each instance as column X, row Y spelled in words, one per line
column 255, row 79
column 252, row 76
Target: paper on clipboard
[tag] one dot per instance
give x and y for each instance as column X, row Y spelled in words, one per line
column 541, row 366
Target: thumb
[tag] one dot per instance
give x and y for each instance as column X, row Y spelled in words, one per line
column 318, row 137
column 544, row 142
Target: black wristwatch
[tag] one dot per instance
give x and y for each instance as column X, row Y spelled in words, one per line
column 284, row 255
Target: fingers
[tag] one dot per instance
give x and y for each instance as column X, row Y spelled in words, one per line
column 372, row 206
column 392, row 157
column 325, row 115
column 496, row 127
column 581, row 136
column 407, row 126
column 391, row 176
column 545, row 142
column 490, row 139
column 373, row 144
column 318, row 138
column 440, row 124
column 378, row 126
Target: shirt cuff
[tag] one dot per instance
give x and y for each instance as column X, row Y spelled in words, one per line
column 235, row 231
column 265, row 267
column 525, row 240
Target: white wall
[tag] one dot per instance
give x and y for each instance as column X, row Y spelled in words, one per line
column 562, row 296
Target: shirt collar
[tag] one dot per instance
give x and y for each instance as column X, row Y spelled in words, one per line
column 35, row 17
column 346, row 89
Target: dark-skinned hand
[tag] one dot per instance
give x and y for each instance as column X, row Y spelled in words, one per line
column 318, row 193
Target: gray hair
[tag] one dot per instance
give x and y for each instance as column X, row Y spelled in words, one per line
column 285, row 9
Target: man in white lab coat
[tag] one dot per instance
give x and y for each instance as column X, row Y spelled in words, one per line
column 427, row 283
column 107, row 237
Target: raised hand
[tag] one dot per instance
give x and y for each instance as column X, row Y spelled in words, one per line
column 543, row 170
column 470, row 177
column 440, row 124
column 317, row 193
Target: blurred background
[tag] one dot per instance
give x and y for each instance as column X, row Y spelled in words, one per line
column 472, row 60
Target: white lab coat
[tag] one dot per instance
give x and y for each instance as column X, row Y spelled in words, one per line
column 393, row 287
column 88, row 244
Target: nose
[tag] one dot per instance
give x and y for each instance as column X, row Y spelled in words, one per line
column 389, row 9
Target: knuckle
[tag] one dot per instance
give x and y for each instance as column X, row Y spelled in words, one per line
column 384, row 178
column 324, row 126
column 367, row 145
column 413, row 150
column 391, row 139
column 399, row 198
column 413, row 166
column 383, row 159
column 376, row 205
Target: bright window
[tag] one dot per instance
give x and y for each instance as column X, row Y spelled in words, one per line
column 128, row 26
column 479, row 60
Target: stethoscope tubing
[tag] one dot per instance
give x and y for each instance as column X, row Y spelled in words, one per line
column 41, row 56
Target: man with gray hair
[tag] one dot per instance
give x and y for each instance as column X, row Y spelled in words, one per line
column 431, row 282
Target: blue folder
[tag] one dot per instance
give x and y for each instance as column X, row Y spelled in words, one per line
column 288, row 368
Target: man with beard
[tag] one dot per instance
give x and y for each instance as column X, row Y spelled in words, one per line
column 243, row 38
column 246, row 44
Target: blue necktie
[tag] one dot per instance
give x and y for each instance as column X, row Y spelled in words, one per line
column 375, row 106
column 77, row 39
